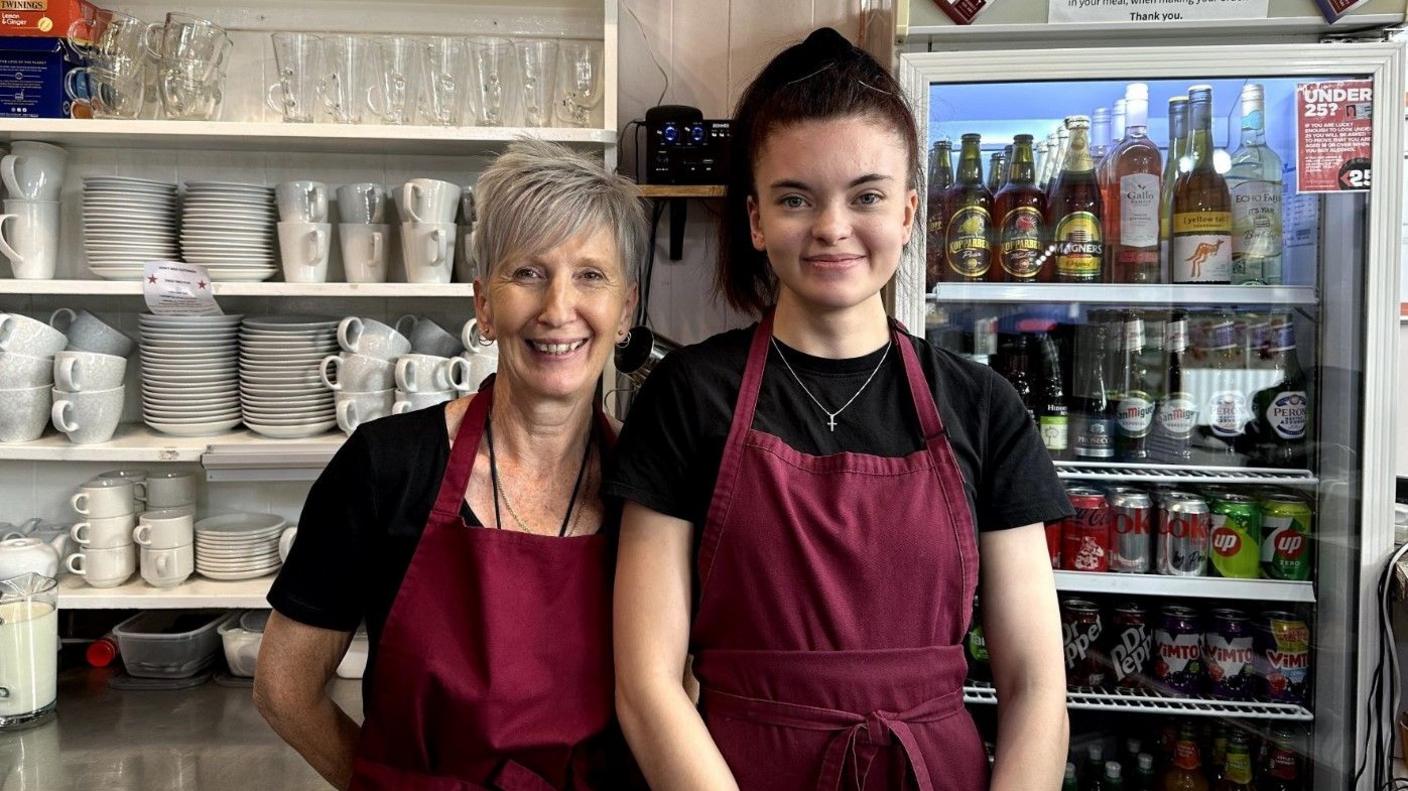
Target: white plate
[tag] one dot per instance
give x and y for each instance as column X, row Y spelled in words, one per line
column 195, row 322
column 289, row 323
column 291, row 432
column 198, row 428
column 238, row 560
column 239, row 524
column 243, row 575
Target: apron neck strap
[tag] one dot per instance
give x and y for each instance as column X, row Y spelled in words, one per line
column 930, row 422
column 462, row 453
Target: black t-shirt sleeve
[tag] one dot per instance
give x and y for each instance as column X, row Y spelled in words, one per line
column 656, row 457
column 321, row 584
column 1019, row 485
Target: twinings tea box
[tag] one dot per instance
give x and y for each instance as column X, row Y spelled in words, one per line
column 32, row 71
column 46, row 18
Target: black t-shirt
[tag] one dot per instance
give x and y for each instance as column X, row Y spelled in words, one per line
column 669, row 452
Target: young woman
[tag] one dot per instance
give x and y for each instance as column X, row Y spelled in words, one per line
column 808, row 498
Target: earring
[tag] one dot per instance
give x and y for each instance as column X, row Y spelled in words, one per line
column 623, row 339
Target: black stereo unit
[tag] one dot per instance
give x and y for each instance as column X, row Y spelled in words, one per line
column 683, row 147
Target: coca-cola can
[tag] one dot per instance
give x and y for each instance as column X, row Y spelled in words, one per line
column 1178, row 647
column 1085, row 537
column 1131, row 512
column 1081, row 628
column 1228, row 655
column 1053, row 542
column 1184, row 524
column 1130, row 644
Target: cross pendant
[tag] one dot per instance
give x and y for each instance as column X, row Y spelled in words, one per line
column 831, row 421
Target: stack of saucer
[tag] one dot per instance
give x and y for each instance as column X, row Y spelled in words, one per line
column 190, row 375
column 238, row 546
column 229, row 229
column 280, row 390
column 127, row 222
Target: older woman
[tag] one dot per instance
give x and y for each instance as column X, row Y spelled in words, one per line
column 470, row 536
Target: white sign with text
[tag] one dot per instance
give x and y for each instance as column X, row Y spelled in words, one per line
column 172, row 288
column 1152, row 11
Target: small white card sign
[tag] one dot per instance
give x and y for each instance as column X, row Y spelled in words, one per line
column 1152, row 12
column 172, row 288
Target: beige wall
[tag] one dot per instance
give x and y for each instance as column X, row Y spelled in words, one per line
column 1401, row 424
column 710, row 49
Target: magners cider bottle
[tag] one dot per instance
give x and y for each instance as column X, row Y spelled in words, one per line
column 1074, row 211
column 968, row 229
column 1020, row 254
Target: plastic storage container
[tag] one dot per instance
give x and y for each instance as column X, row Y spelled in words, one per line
column 241, row 637
column 170, row 643
column 354, row 662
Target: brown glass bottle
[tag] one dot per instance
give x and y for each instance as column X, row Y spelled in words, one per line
column 1074, row 211
column 940, row 179
column 1020, row 253
column 968, row 228
column 1132, row 205
column 1202, row 205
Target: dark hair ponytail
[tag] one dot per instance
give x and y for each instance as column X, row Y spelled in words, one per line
column 822, row 78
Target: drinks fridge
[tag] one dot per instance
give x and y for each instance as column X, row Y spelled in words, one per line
column 1186, row 269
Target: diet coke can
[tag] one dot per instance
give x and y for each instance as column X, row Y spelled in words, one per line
column 1081, row 627
column 1085, row 537
column 1130, row 645
column 1131, row 512
column 1184, row 524
column 1178, row 647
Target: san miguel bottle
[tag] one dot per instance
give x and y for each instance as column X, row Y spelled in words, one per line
column 1133, row 194
column 1177, row 148
column 1254, row 181
column 1074, row 211
column 1176, row 414
column 1135, row 411
column 1020, row 253
column 1282, row 411
column 1202, row 205
column 940, row 179
column 968, row 229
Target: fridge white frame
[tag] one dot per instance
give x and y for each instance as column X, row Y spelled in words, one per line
column 1384, row 63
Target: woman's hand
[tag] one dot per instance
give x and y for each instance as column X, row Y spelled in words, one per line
column 290, row 691
column 1022, row 626
column 652, row 607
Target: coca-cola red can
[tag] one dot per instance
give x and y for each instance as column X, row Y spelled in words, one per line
column 1130, row 644
column 1131, row 515
column 1085, row 537
column 1081, row 628
column 1053, row 543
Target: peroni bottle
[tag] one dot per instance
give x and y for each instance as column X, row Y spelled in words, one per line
column 968, row 229
column 940, row 179
column 1020, row 254
column 1202, row 205
column 1074, row 212
column 1283, row 410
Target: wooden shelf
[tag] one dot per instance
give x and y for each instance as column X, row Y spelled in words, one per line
column 133, row 288
column 135, row 442
column 682, row 190
column 197, row 591
column 287, row 138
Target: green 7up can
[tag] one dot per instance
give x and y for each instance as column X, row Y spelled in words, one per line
column 1285, row 543
column 1236, row 537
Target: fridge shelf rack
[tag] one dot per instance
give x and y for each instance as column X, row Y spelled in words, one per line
column 1184, row 587
column 133, row 288
column 1122, row 294
column 1180, row 473
column 1143, row 701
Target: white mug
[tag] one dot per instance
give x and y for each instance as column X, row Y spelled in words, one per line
column 29, row 237
column 357, row 373
column 34, row 171
column 354, row 409
column 481, row 363
column 88, row 333
column 302, row 201
column 363, row 252
column 113, row 531
column 163, row 568
column 104, row 568
column 472, row 338
column 76, row 372
column 428, row 251
column 29, row 336
column 361, row 204
column 88, row 417
column 21, row 370
column 408, row 402
column 427, row 337
column 428, row 200
column 24, row 412
column 105, row 497
column 169, row 489
column 303, row 249
column 286, row 539
column 423, row 373
column 372, row 338
column 133, row 475
column 164, row 529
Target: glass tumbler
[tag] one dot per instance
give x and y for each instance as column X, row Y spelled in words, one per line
column 537, row 63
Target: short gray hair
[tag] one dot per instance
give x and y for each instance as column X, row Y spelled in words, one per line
column 538, row 195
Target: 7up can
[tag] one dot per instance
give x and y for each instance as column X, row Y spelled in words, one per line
column 1236, row 537
column 1285, row 537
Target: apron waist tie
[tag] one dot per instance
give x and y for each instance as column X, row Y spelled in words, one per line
column 848, row 728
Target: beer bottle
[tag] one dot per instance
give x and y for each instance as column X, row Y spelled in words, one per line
column 1254, row 181
column 1094, row 767
column 1177, row 412
column 1227, row 409
column 975, row 647
column 968, row 229
column 1016, row 372
column 1006, row 167
column 1130, row 755
column 1144, row 778
column 1113, row 778
column 1282, row 411
column 1237, row 769
column 940, row 179
column 1063, row 144
column 1132, row 203
column 1074, row 211
column 1020, row 209
column 1186, row 771
column 1177, row 148
column 1049, row 162
column 997, row 167
column 1136, row 405
column 1094, row 434
column 1053, row 416
column 1202, row 205
column 1069, row 781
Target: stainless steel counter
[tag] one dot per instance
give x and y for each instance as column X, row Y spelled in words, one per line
column 209, row 738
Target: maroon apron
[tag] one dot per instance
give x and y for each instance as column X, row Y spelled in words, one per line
column 835, row 592
column 494, row 669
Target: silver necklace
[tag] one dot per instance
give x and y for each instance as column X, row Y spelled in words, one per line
column 831, row 416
